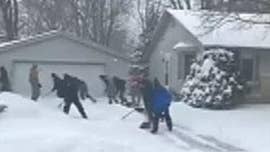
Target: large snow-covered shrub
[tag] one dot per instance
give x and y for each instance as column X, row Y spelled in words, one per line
column 212, row 81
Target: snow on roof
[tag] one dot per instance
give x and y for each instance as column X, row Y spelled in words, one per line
column 6, row 46
column 181, row 45
column 13, row 42
column 230, row 32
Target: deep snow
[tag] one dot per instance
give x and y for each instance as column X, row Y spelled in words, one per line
column 247, row 126
column 41, row 127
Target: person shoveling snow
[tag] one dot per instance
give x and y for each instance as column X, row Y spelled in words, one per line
column 40, row 126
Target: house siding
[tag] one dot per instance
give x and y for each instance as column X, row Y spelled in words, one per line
column 176, row 32
column 260, row 86
column 65, row 50
column 173, row 34
column 264, row 75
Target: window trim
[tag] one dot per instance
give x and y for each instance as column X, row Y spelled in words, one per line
column 181, row 70
column 254, row 66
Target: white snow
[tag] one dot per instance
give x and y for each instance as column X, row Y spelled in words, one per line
column 229, row 32
column 41, row 127
column 181, row 45
column 30, row 38
column 247, row 127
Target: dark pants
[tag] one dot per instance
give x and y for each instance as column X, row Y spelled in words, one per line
column 122, row 97
column 35, row 91
column 78, row 105
column 148, row 107
column 156, row 117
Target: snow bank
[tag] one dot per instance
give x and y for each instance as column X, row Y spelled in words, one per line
column 20, row 107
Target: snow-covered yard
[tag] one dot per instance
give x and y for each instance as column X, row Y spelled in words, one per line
column 247, row 127
column 41, row 127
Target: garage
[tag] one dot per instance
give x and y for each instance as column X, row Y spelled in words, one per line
column 60, row 53
column 87, row 72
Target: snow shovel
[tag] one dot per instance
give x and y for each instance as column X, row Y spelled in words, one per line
column 133, row 110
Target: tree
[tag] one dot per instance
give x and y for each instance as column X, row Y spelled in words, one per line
column 149, row 13
column 10, row 13
column 180, row 4
column 247, row 6
column 243, row 12
column 46, row 15
column 99, row 19
column 213, row 80
column 95, row 20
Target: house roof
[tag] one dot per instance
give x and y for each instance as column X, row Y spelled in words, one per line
column 12, row 45
column 228, row 31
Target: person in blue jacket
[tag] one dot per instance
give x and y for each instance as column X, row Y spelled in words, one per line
column 161, row 102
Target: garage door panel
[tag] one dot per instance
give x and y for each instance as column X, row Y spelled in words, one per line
column 87, row 72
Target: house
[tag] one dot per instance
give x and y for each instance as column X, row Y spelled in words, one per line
column 180, row 36
column 60, row 53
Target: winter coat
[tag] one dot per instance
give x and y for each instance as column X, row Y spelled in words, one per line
column 161, row 100
column 135, row 83
column 34, row 77
column 111, row 89
column 147, row 90
column 120, row 84
column 4, row 80
column 71, row 89
column 58, row 86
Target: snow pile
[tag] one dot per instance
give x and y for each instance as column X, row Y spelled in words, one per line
column 212, row 81
column 19, row 107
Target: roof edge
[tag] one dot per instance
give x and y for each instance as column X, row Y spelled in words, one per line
column 6, row 46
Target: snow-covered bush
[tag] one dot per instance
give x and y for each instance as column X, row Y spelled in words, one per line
column 212, row 81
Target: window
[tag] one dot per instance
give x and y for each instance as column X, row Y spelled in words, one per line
column 188, row 61
column 247, row 70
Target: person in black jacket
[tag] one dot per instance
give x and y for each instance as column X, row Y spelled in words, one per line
column 114, row 86
column 120, row 85
column 110, row 88
column 58, row 85
column 71, row 95
column 147, row 90
column 4, row 79
column 83, row 91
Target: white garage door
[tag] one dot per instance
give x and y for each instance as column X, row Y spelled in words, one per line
column 87, row 72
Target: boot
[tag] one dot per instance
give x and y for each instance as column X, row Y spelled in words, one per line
column 145, row 125
column 155, row 125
